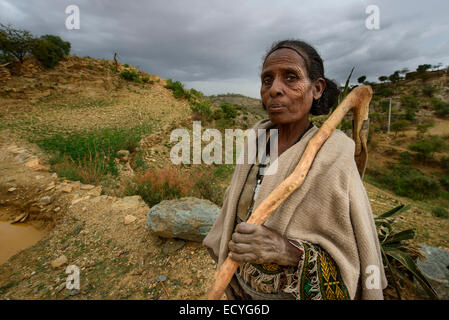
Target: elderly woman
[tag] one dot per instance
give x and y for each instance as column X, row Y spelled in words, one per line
column 321, row 242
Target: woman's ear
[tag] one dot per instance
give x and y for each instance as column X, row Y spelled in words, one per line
column 318, row 88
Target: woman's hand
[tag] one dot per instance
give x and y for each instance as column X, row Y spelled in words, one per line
column 261, row 245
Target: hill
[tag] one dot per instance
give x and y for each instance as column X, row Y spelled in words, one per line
column 79, row 142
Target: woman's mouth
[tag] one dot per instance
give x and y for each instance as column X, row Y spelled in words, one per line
column 277, row 107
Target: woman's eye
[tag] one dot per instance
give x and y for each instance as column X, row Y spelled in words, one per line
column 267, row 80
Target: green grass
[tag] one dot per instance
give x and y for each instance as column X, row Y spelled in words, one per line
column 88, row 156
column 405, row 181
column 440, row 213
column 10, row 285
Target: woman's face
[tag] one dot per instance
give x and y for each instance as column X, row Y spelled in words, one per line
column 286, row 89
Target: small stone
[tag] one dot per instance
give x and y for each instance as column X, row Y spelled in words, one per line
column 46, row 200
column 36, row 165
column 129, row 219
column 87, row 187
column 79, row 200
column 59, row 262
column 50, row 186
column 123, row 155
column 66, row 188
column 74, row 292
column 160, row 278
column 57, row 209
column 12, row 189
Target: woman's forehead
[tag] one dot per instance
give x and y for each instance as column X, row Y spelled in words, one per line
column 284, row 57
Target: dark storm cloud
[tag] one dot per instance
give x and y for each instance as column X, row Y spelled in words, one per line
column 217, row 46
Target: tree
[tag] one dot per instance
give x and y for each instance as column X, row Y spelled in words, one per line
column 361, row 79
column 395, row 77
column 423, row 68
column 383, row 78
column 404, row 71
column 46, row 52
column 50, row 49
column 399, row 125
column 56, row 40
column 437, row 66
column 15, row 42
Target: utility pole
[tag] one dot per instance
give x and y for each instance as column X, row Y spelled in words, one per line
column 389, row 118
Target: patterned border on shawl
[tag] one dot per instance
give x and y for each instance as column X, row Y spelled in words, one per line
column 318, row 276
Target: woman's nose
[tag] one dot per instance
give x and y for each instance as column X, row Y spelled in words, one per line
column 277, row 88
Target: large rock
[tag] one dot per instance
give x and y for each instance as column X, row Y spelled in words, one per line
column 435, row 268
column 186, row 218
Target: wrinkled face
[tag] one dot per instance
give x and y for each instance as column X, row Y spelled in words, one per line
column 286, row 89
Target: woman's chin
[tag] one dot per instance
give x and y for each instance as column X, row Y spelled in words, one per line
column 280, row 118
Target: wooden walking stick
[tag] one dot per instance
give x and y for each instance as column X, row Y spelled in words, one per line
column 358, row 100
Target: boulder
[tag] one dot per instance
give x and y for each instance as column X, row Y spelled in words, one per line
column 436, row 268
column 186, row 218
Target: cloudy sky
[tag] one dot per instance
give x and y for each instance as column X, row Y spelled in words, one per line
column 217, row 46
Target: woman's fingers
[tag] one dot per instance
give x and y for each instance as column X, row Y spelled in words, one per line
column 242, row 238
column 246, row 257
column 239, row 248
column 247, row 228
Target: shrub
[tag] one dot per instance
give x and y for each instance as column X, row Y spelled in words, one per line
column 217, row 114
column 177, row 88
column 196, row 94
column 441, row 108
column 385, row 104
column 445, row 181
column 410, row 115
column 428, row 91
column 405, row 158
column 384, row 91
column 57, row 41
column 445, row 163
column 130, row 75
column 426, row 147
column 160, row 184
column 206, row 187
column 202, row 110
column 407, row 182
column 229, row 110
column 415, row 92
column 417, row 186
column 409, row 101
column 440, row 213
column 46, row 52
